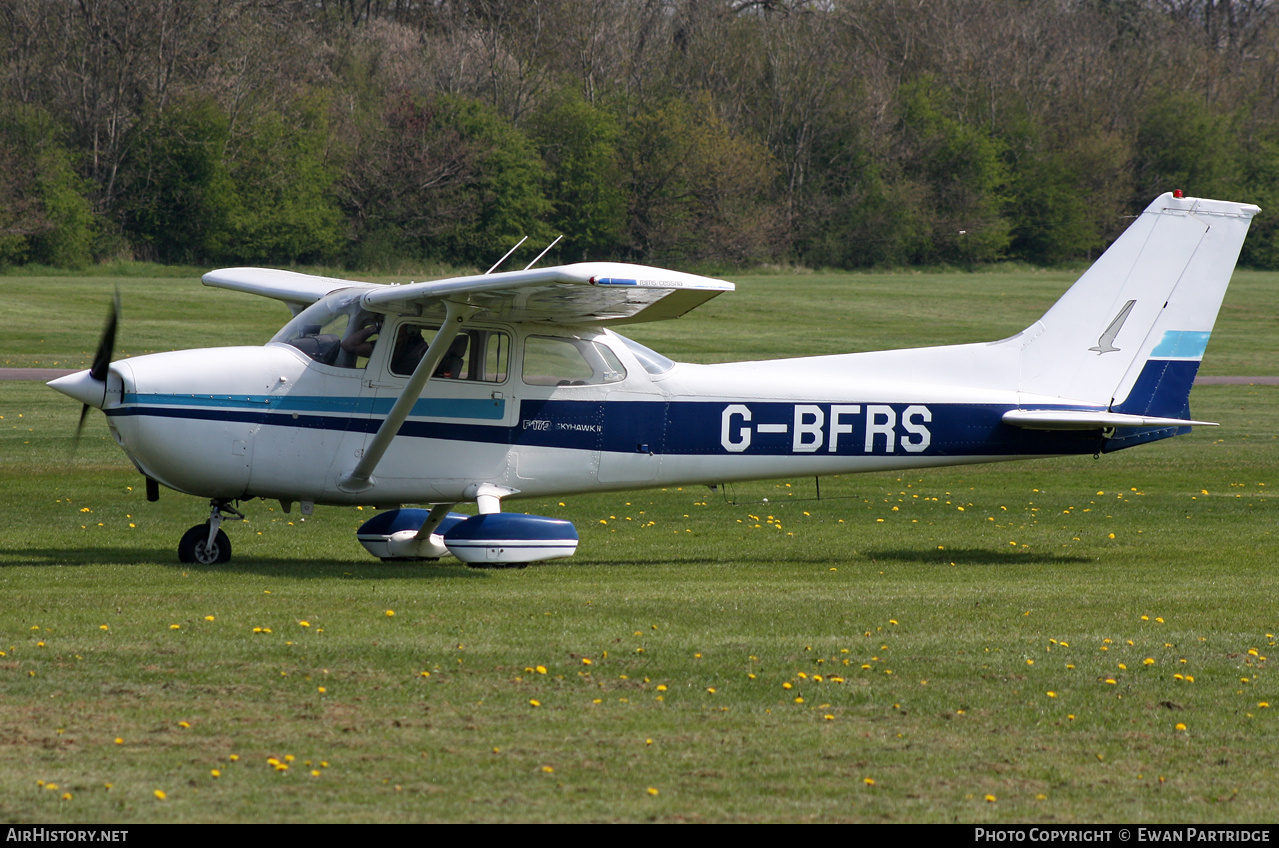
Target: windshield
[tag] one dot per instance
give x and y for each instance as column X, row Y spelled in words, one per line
column 334, row 330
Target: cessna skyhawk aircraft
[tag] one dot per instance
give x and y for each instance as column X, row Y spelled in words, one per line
column 514, row 384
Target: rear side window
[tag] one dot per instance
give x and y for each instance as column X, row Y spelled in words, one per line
column 569, row 361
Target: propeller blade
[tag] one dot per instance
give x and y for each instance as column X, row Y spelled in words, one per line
column 84, row 413
column 101, row 360
column 102, row 357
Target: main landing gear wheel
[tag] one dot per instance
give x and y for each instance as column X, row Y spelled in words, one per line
column 195, row 546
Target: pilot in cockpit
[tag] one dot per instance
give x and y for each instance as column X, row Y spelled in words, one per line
column 360, row 342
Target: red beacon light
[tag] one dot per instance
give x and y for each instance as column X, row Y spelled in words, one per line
column 1178, row 193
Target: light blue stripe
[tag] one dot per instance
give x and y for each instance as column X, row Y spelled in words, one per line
column 488, row 409
column 1182, row 344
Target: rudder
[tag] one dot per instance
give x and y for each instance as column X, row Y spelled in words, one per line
column 1129, row 334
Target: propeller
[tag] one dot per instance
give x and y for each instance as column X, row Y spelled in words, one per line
column 102, row 357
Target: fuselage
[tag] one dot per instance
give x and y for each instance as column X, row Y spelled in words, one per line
column 547, row 410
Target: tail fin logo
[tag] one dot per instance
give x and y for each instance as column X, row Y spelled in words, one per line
column 1106, row 342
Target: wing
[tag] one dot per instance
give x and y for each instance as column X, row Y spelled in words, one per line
column 298, row 291
column 586, row 292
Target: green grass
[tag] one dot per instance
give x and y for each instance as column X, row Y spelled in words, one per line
column 939, row 608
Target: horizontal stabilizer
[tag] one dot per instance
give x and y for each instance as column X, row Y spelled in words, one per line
column 1087, row 419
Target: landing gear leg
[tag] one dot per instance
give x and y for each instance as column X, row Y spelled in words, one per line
column 207, row 544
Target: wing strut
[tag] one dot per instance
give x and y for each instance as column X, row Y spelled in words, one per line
column 360, row 478
column 438, row 513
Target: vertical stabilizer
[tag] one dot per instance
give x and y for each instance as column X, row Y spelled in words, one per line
column 1129, row 334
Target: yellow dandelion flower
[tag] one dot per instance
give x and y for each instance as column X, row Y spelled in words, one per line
column 119, row 740
column 548, row 770
column 103, row 627
column 652, row 790
column 66, row 796
column 990, row 799
column 1052, row 694
column 159, row 794
column 390, row 613
column 215, row 773
column 869, row 781
column 175, row 626
column 1179, row 727
column 184, row 724
column 533, row 702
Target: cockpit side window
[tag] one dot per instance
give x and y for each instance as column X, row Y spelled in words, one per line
column 569, row 361
column 477, row 354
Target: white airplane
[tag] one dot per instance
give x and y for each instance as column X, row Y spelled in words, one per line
column 512, row 385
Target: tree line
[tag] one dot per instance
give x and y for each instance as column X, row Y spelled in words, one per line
column 827, row 133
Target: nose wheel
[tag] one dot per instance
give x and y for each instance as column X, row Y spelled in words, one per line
column 196, row 547
column 207, row 544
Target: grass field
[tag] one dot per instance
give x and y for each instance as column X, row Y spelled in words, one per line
column 1073, row 640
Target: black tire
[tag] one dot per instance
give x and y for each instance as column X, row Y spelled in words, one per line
column 194, row 547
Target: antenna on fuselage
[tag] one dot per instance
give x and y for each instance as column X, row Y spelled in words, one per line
column 507, row 256
column 544, row 252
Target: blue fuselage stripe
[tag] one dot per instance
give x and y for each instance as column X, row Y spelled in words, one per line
column 488, row 409
column 687, row 427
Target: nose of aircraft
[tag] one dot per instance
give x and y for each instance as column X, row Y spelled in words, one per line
column 82, row 386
